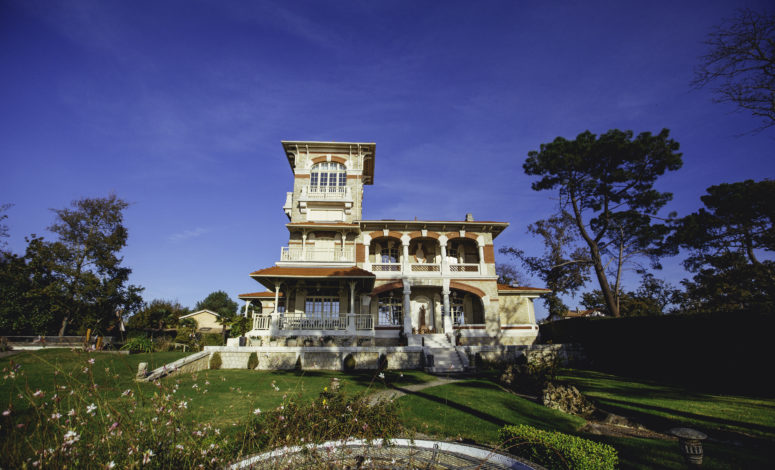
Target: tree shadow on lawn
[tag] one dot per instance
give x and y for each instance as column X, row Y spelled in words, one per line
column 661, row 423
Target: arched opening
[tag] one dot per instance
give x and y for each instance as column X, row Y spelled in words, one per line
column 424, row 254
column 385, row 254
column 465, row 308
column 462, row 255
column 328, row 177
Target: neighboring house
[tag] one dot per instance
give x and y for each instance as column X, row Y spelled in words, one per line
column 206, row 321
column 576, row 314
column 381, row 282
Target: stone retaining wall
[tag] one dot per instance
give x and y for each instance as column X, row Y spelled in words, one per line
column 318, row 358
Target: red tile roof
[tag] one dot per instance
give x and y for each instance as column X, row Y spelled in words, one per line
column 508, row 288
column 254, row 295
column 278, row 271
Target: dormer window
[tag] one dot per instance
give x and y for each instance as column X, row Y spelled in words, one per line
column 328, row 177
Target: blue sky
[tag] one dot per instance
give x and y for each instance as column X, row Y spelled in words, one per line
column 179, row 107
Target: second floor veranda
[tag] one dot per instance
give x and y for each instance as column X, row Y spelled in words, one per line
column 388, row 256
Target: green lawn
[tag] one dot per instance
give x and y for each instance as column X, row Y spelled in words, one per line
column 741, row 429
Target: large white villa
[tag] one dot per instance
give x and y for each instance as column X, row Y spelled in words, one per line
column 353, row 283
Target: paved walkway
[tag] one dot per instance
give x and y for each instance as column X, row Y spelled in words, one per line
column 397, row 392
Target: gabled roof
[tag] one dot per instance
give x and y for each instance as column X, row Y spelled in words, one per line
column 279, row 271
column 200, row 311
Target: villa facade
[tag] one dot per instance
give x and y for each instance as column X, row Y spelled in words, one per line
column 379, row 283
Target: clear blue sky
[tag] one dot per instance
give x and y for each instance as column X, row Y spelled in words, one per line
column 179, row 108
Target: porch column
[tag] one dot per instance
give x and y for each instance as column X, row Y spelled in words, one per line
column 407, row 308
column 366, row 246
column 247, row 306
column 443, row 245
column 274, row 324
column 405, row 254
column 446, row 316
column 303, row 245
column 481, row 257
column 352, row 296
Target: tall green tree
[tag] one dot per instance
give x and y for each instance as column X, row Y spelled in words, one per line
column 606, row 184
column 91, row 234
column 563, row 267
column 3, row 225
column 220, row 303
column 731, row 242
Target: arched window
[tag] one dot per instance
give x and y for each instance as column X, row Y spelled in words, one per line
column 390, row 310
column 328, row 177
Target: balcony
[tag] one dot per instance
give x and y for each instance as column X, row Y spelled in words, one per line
column 386, row 267
column 312, row 254
column 425, row 267
column 464, row 268
column 325, row 193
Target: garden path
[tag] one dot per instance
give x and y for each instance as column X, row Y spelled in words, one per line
column 398, row 392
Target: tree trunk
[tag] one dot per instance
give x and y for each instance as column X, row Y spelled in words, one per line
column 597, row 261
column 64, row 325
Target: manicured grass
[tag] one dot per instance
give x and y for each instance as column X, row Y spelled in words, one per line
column 475, row 410
column 219, row 397
column 662, row 407
column 741, row 429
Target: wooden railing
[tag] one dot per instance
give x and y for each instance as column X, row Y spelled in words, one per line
column 363, row 322
column 261, row 322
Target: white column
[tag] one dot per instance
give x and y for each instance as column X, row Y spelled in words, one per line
column 247, row 306
column 366, row 242
column 446, row 314
column 405, row 254
column 482, row 266
column 303, row 245
column 407, row 308
column 274, row 326
column 443, row 245
column 352, row 296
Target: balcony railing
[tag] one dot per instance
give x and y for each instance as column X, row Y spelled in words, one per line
column 302, row 321
column 325, row 192
column 425, row 267
column 386, row 267
column 261, row 322
column 295, row 253
column 464, row 268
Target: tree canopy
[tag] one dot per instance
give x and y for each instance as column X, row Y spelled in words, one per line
column 740, row 64
column 731, row 242
column 157, row 315
column 606, row 185
column 72, row 283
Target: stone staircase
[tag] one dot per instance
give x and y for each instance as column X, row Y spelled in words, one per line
column 442, row 356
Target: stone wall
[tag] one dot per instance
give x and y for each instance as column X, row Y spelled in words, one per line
column 318, row 358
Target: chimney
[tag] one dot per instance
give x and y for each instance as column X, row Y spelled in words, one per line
column 469, row 217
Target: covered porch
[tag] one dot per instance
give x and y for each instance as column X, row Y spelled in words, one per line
column 311, row 301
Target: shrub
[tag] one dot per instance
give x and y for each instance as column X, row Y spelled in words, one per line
column 253, row 361
column 212, row 339
column 215, row 361
column 557, row 450
column 333, row 415
column 349, row 363
column 138, row 344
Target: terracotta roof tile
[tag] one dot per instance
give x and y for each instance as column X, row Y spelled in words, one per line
column 506, row 287
column 278, row 271
column 254, row 295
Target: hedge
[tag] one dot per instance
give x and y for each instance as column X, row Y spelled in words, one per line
column 555, row 450
column 725, row 349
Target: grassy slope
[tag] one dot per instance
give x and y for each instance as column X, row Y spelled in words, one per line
column 473, row 409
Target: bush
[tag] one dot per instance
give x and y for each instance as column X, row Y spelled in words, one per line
column 215, row 361
column 212, row 339
column 138, row 344
column 333, row 415
column 555, row 450
column 253, row 361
